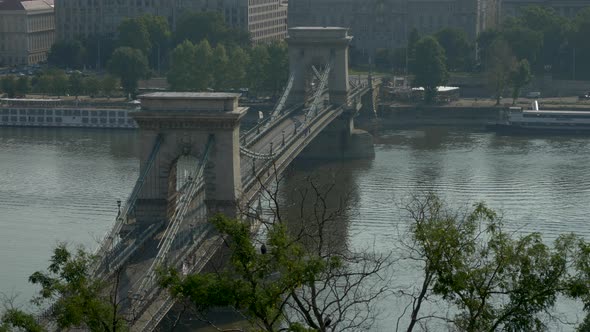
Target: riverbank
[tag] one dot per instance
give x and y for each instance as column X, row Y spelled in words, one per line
column 463, row 112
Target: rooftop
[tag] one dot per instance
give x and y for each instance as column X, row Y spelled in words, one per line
column 190, row 95
column 25, row 4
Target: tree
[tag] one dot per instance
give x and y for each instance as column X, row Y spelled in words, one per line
column 430, row 70
column 238, row 66
column 457, row 48
column 220, row 66
column 493, row 280
column 9, row 86
column 519, row 77
column 134, row 34
column 159, row 36
column 76, row 84
column 525, row 43
column 554, row 28
column 203, row 72
column 257, row 74
column 484, row 43
column 210, row 26
column 23, row 86
column 78, row 301
column 44, row 84
column 130, row 65
column 60, row 83
column 67, row 54
column 500, row 63
column 99, row 49
column 298, row 279
column 277, row 69
column 92, row 86
column 108, row 85
column 183, row 63
column 413, row 39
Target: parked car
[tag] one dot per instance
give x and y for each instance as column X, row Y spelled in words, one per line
column 533, row 94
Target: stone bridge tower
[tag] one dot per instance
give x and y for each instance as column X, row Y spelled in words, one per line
column 318, row 46
column 186, row 122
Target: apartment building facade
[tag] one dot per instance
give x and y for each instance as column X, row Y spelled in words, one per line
column 27, row 31
column 387, row 23
column 266, row 20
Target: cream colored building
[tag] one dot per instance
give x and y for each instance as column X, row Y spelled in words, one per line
column 567, row 8
column 27, row 31
column 266, row 20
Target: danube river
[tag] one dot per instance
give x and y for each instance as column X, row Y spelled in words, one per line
column 63, row 184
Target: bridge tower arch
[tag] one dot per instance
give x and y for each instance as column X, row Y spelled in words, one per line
column 312, row 46
column 187, row 123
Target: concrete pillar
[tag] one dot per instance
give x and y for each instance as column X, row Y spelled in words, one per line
column 187, row 121
column 319, row 46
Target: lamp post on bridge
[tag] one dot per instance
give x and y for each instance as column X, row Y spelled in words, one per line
column 119, row 207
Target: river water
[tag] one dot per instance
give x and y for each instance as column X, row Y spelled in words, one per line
column 62, row 185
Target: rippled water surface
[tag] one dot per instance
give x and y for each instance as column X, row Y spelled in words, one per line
column 62, row 185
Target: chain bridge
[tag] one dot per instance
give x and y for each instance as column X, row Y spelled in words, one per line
column 195, row 162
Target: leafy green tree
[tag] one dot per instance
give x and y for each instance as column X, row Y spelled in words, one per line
column 182, row 75
column 430, row 70
column 457, row 48
column 519, row 77
column 273, row 285
column 221, row 68
column 199, row 26
column 525, row 43
column 67, row 54
column 108, row 85
column 257, row 70
column 99, row 49
column 500, row 63
column 92, row 86
column 78, row 301
column 44, row 84
column 134, row 34
column 159, row 36
column 23, row 86
column 413, row 39
column 278, row 67
column 554, row 28
column 484, row 43
column 238, row 67
column 130, row 65
column 493, row 279
column 203, row 69
column 580, row 46
column 60, row 83
column 9, row 86
column 76, row 84
column 210, row 26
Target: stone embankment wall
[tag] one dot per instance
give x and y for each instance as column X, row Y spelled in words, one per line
column 392, row 116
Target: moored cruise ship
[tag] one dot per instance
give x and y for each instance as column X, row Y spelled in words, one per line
column 534, row 120
column 60, row 113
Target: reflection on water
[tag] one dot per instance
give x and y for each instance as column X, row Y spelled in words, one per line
column 62, row 184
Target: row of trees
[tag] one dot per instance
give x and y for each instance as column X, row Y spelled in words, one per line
column 263, row 68
column 301, row 279
column 202, row 53
column 56, row 82
column 548, row 41
column 502, row 68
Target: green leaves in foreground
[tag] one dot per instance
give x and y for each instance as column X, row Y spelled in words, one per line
column 259, row 285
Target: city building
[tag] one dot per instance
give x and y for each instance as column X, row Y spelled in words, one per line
column 27, row 31
column 567, row 8
column 266, row 20
column 387, row 23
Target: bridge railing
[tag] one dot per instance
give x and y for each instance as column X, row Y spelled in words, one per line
column 112, row 235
